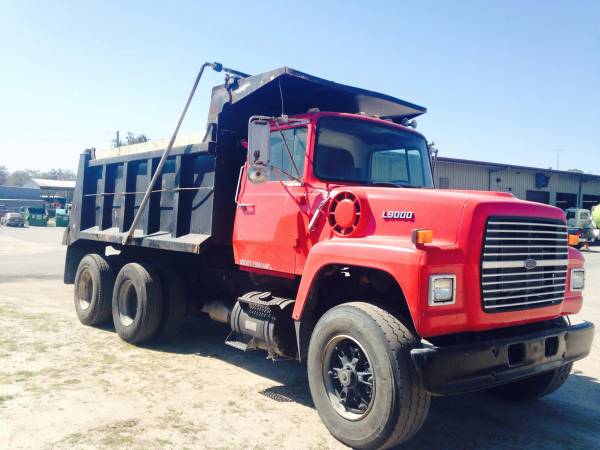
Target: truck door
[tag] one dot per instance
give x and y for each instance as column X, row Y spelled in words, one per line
column 268, row 215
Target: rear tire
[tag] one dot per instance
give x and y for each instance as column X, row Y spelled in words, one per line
column 137, row 302
column 395, row 406
column 93, row 289
column 174, row 303
column 534, row 387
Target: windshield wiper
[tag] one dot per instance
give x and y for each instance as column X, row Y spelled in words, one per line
column 383, row 184
column 390, row 184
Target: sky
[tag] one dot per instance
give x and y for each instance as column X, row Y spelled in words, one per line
column 506, row 81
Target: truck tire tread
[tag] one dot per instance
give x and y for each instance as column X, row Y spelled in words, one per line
column 174, row 302
column 411, row 401
column 149, row 292
column 399, row 337
column 534, row 387
column 103, row 278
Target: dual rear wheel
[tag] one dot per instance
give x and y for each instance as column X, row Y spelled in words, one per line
column 146, row 301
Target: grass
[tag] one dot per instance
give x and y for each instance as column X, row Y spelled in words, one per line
column 6, row 398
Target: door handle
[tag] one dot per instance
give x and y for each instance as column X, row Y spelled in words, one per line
column 245, row 205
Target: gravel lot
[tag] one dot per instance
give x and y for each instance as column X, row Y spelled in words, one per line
column 63, row 385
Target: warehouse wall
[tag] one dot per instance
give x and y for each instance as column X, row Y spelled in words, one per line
column 521, row 182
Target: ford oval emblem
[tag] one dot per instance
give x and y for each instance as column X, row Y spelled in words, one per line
column 530, row 264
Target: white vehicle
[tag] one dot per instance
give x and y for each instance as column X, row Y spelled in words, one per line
column 580, row 222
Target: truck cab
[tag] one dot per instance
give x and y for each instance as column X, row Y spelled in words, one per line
column 313, row 157
column 358, row 191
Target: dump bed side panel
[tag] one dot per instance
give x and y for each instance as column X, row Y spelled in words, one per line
column 181, row 215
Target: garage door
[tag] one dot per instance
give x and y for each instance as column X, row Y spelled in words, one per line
column 590, row 201
column 538, row 196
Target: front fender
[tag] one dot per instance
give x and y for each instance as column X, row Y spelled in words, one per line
column 399, row 258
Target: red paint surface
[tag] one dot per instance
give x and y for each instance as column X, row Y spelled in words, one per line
column 272, row 235
column 345, row 213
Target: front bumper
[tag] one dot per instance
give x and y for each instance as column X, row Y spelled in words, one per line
column 456, row 369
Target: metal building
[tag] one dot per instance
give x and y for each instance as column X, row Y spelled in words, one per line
column 53, row 191
column 13, row 198
column 560, row 188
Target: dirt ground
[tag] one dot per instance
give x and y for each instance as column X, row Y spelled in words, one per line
column 64, row 385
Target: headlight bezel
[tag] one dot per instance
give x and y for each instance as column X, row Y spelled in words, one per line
column 576, row 272
column 432, row 281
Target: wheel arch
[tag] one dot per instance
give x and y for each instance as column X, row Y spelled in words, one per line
column 75, row 253
column 394, row 272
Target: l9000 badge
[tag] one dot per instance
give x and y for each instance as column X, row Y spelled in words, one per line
column 401, row 215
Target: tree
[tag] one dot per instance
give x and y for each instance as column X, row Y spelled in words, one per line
column 18, row 177
column 58, row 174
column 129, row 140
column 3, row 175
column 133, row 139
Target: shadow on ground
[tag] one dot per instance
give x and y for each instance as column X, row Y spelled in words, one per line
column 569, row 418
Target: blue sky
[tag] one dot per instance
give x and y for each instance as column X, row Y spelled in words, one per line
column 506, row 81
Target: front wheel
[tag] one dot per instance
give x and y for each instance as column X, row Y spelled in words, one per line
column 362, row 379
column 534, row 387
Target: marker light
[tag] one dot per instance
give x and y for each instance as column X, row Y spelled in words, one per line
column 422, row 237
column 573, row 239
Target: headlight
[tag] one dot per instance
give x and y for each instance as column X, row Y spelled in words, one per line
column 442, row 290
column 577, row 279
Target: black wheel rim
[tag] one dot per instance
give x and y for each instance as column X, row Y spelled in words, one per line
column 348, row 377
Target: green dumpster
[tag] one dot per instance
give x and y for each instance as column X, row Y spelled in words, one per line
column 36, row 217
column 62, row 218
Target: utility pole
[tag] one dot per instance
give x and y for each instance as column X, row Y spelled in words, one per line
column 558, row 150
column 117, row 141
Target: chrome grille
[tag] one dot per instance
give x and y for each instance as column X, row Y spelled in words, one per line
column 524, row 263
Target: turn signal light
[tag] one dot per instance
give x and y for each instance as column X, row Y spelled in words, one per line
column 420, row 237
column 573, row 239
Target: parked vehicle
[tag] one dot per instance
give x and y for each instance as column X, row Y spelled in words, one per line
column 13, row 220
column 580, row 223
column 595, row 213
column 61, row 218
column 36, row 216
column 307, row 221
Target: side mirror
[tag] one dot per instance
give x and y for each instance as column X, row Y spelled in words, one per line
column 259, row 134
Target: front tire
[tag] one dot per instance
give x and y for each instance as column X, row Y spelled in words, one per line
column 534, row 387
column 362, row 379
column 137, row 302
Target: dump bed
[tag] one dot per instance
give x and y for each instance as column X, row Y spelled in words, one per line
column 181, row 213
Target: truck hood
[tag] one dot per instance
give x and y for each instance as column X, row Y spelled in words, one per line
column 396, row 212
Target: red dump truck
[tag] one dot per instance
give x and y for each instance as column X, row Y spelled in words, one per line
column 307, row 221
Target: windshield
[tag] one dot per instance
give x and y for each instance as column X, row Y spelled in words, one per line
column 351, row 150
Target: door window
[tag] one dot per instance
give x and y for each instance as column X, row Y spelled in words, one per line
column 284, row 167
